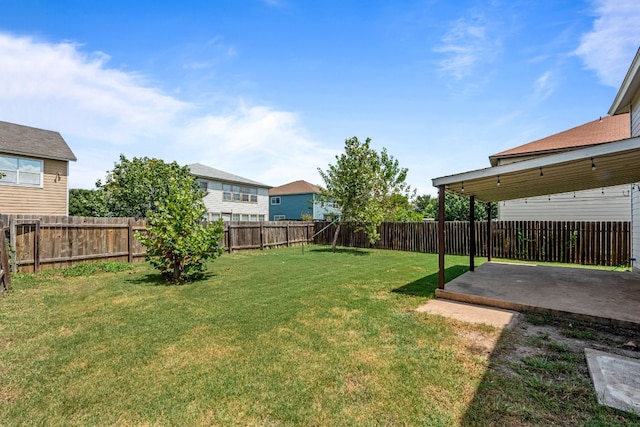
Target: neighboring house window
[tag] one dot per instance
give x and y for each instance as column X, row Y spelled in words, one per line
column 214, row 217
column 254, row 217
column 203, row 185
column 245, row 217
column 236, row 217
column 275, row 200
column 20, row 171
column 278, row 217
column 239, row 194
column 260, row 217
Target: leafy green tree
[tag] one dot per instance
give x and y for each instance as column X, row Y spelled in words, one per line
column 427, row 205
column 360, row 183
column 87, row 203
column 399, row 209
column 134, row 186
column 456, row 208
column 178, row 241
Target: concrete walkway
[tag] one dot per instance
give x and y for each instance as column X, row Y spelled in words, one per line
column 610, row 297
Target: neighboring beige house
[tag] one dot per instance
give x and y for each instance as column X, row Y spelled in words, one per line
column 599, row 204
column 35, row 165
column 627, row 102
column 231, row 197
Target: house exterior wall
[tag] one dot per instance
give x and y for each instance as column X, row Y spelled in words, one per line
column 291, row 206
column 217, row 207
column 635, row 117
column 635, row 227
column 50, row 199
column 635, row 193
column 602, row 204
column 321, row 210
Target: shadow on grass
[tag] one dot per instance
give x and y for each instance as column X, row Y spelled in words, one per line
column 348, row 251
column 156, row 279
column 426, row 286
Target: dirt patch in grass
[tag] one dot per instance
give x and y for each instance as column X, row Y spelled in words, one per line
column 538, row 374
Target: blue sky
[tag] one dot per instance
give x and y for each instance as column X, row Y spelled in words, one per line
column 270, row 89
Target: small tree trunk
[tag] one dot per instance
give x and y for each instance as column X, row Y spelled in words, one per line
column 335, row 237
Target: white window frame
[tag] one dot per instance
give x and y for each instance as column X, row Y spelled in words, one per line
column 275, row 200
column 17, row 171
column 279, row 217
column 239, row 194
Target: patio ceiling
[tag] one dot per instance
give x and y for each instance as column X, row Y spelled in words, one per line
column 615, row 163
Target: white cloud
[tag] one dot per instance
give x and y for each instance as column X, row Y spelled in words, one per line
column 544, row 86
column 103, row 111
column 464, row 46
column 609, row 47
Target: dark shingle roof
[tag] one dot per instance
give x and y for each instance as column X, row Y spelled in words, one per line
column 28, row 141
column 295, row 187
column 203, row 171
column 600, row 131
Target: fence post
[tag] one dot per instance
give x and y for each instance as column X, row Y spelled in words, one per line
column 5, row 274
column 36, row 248
column 12, row 243
column 287, row 234
column 230, row 238
column 261, row 235
column 130, row 242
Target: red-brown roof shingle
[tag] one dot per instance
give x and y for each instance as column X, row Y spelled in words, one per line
column 295, row 187
column 600, row 131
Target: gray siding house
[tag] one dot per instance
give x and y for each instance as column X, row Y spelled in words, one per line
column 600, row 204
column 231, row 197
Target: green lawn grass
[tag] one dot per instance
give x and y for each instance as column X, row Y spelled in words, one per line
column 274, row 337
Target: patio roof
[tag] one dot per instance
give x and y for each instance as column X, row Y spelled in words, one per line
column 604, row 165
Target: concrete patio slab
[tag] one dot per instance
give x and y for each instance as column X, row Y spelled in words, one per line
column 616, row 379
column 609, row 297
column 495, row 317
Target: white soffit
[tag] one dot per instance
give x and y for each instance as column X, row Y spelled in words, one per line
column 615, row 163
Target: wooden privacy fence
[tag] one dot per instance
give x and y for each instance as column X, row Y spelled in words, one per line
column 59, row 241
column 260, row 235
column 41, row 242
column 575, row 242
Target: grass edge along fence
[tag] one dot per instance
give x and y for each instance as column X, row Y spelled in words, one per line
column 606, row 243
column 44, row 242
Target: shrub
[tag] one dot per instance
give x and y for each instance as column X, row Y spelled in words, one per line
column 178, row 241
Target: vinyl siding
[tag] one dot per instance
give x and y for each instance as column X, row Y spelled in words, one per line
column 635, row 117
column 635, row 194
column 588, row 205
column 215, row 204
column 320, row 211
column 51, row 199
column 292, row 206
column 635, row 227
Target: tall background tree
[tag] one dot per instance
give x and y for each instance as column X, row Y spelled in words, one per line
column 456, row 208
column 87, row 203
column 363, row 184
column 134, row 186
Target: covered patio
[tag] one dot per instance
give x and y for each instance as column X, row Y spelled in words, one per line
column 608, row 297
column 595, row 295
